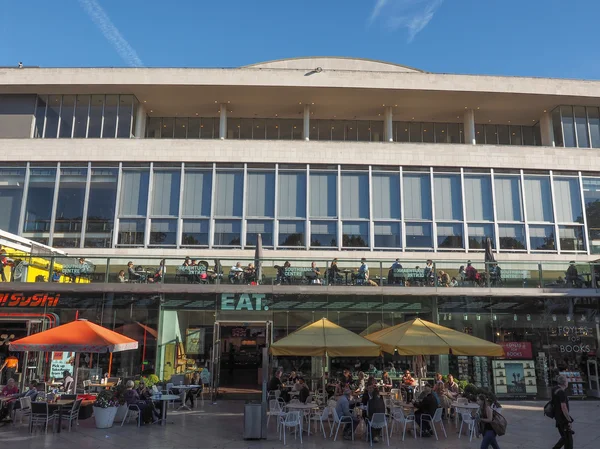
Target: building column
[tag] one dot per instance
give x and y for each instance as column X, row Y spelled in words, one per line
column 547, row 130
column 469, row 126
column 388, row 127
column 306, row 124
column 140, row 122
column 223, row 122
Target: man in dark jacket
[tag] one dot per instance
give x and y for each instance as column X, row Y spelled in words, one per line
column 304, row 391
column 560, row 402
column 427, row 406
column 375, row 405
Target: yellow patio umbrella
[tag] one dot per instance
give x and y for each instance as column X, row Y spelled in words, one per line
column 420, row 337
column 324, row 338
column 376, row 326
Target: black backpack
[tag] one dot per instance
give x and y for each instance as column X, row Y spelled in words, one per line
column 549, row 407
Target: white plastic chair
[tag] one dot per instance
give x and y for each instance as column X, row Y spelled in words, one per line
column 399, row 417
column 155, row 389
column 337, row 422
column 131, row 409
column 378, row 421
column 323, row 417
column 467, row 419
column 436, row 418
column 291, row 420
column 169, row 390
column 275, row 409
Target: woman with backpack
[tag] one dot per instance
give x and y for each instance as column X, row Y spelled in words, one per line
column 487, row 416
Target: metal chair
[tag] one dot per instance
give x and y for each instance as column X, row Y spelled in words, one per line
column 339, row 421
column 378, row 421
column 72, row 414
column 131, row 409
column 40, row 416
column 23, row 410
column 436, row 418
column 399, row 417
column 292, row 420
column 321, row 418
column 470, row 421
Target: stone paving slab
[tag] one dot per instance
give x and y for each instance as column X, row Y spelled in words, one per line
column 220, row 426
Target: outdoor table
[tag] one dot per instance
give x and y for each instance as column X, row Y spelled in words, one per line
column 458, row 406
column 346, row 273
column 164, row 397
column 303, row 408
column 58, row 406
column 184, row 389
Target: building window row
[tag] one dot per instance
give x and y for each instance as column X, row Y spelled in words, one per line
column 576, row 126
column 337, row 207
column 85, row 116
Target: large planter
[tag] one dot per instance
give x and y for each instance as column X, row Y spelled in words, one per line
column 121, row 412
column 104, row 417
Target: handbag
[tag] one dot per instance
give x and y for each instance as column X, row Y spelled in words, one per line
column 361, row 429
column 499, row 423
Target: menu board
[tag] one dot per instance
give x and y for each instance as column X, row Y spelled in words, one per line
column 514, row 378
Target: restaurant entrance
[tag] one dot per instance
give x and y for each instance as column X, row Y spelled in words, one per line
column 237, row 354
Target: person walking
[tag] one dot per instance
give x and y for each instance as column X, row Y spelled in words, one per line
column 487, row 415
column 560, row 403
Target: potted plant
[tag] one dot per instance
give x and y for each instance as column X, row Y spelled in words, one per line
column 105, row 409
column 119, row 396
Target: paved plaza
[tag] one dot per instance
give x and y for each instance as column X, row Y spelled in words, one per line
column 220, row 427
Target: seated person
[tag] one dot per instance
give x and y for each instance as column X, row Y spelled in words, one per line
column 10, row 391
column 56, row 276
column 362, row 274
column 408, row 385
column 572, row 276
column 452, row 386
column 134, row 276
column 360, row 384
column 392, row 279
column 368, row 394
column 32, row 393
column 159, row 273
column 236, row 274
column 133, row 398
column 443, row 279
column 143, row 391
column 193, row 393
column 67, row 384
column 293, row 377
column 314, row 274
column 217, row 274
column 386, row 382
column 375, row 405
column 429, row 272
column 250, row 274
column 471, row 273
column 333, row 273
column 281, row 277
column 303, row 390
column 495, row 274
column 121, row 277
column 453, row 282
column 426, row 406
column 343, row 410
column 276, row 385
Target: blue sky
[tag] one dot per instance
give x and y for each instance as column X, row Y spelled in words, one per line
column 548, row 38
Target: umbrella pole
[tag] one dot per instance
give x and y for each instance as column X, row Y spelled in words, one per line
column 75, row 372
column 109, row 364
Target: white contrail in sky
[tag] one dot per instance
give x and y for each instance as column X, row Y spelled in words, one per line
column 411, row 14
column 111, row 33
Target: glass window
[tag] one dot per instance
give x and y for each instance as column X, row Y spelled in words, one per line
column 66, row 116
column 153, row 127
column 72, row 241
column 165, row 193
column 418, row 235
column 491, row 134
column 272, row 129
column 40, row 116
column 478, row 234
column 538, row 198
column 568, row 126
column 568, row 200
column 337, row 130
column 227, row 233
column 163, row 232
column 428, row 136
column 131, row 232
column 376, row 131
column 101, row 208
column 197, row 193
column 292, row 194
column 40, row 196
column 556, row 124
column 296, row 127
column 415, row 132
column 52, row 114
column 541, row 238
column 286, row 127
column 512, row 237
column 441, row 134
column 259, row 129
column 229, row 191
column 509, row 205
column 262, row 227
column 417, row 196
column 480, row 134
column 591, row 194
column 209, row 128
column 96, row 108
column 193, row 128
column 168, row 128
column 515, row 135
column 503, row 135
column 323, row 194
column 571, row 238
column 323, row 233
column 387, row 235
column 355, row 234
column 594, row 122
column 260, row 196
column 125, row 116
column 81, row 116
column 581, row 127
column 449, row 235
column 194, row 233
column 401, row 132
column 11, row 195
column 291, row 233
column 109, row 127
column 386, row 195
column 350, row 131
column 71, row 196
column 134, row 193
column 245, row 128
column 364, row 130
column 528, row 135
column 448, row 197
column 455, row 134
column 355, row 195
column 478, row 198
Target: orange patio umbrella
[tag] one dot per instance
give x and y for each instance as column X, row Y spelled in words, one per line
column 77, row 336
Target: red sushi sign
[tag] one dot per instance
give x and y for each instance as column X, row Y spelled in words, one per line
column 517, row 350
